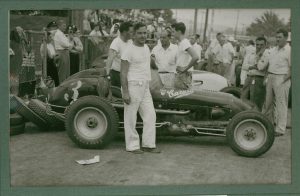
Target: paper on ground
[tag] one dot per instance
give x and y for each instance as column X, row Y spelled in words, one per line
column 96, row 159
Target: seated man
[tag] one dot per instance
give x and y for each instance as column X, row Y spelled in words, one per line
column 164, row 57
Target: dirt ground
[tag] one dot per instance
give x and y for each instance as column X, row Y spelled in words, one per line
column 48, row 159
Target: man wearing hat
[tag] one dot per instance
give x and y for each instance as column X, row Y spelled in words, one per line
column 75, row 50
column 62, row 46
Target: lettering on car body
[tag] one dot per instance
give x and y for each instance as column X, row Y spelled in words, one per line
column 172, row 93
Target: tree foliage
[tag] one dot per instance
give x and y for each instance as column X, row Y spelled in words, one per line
column 266, row 25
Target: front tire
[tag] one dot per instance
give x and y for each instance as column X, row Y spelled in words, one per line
column 91, row 122
column 250, row 134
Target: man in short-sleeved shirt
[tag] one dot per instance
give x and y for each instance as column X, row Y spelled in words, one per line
column 196, row 46
column 186, row 55
column 135, row 79
column 62, row 46
column 165, row 59
column 116, row 49
column 278, row 82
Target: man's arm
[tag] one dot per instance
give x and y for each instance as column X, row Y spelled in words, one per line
column 263, row 62
column 124, row 81
column 193, row 61
column 288, row 75
column 111, row 55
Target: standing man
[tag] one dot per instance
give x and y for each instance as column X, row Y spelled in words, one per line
column 249, row 53
column 279, row 82
column 116, row 49
column 186, row 56
column 254, row 86
column 135, row 79
column 62, row 46
column 164, row 55
column 215, row 55
column 196, row 46
column 222, row 56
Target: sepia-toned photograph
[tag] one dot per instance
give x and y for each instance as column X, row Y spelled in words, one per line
column 131, row 97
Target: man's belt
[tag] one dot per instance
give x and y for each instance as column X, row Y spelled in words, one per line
column 164, row 72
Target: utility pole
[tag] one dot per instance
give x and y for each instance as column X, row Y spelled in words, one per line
column 236, row 24
column 211, row 23
column 195, row 21
column 205, row 25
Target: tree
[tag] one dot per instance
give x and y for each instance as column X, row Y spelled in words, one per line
column 266, row 25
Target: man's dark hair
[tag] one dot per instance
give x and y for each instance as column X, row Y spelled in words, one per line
column 251, row 42
column 197, row 36
column 180, row 26
column 138, row 25
column 284, row 32
column 125, row 26
column 218, row 34
column 261, row 39
column 169, row 31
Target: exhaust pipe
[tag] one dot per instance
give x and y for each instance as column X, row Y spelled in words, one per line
column 160, row 111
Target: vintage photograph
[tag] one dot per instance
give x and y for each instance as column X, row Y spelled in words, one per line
column 122, row 97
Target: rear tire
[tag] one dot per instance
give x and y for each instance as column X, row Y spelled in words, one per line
column 41, row 109
column 15, row 119
column 17, row 129
column 27, row 113
column 91, row 122
column 250, row 134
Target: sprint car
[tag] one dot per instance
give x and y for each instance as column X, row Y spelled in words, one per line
column 93, row 112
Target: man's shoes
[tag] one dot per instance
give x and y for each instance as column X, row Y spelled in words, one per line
column 151, row 150
column 277, row 134
column 137, row 151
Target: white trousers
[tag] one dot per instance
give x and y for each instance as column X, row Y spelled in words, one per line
column 276, row 106
column 140, row 101
column 243, row 76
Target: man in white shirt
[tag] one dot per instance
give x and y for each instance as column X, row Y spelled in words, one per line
column 248, row 60
column 116, row 49
column 278, row 82
column 196, row 46
column 135, row 79
column 165, row 59
column 222, row 56
column 62, row 46
column 186, row 56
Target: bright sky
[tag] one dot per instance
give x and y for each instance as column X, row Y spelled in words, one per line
column 228, row 17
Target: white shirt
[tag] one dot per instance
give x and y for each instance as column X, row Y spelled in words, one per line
column 61, row 42
column 50, row 50
column 198, row 50
column 250, row 58
column 280, row 60
column 96, row 36
column 224, row 53
column 78, row 47
column 183, row 58
column 119, row 46
column 139, row 62
column 165, row 59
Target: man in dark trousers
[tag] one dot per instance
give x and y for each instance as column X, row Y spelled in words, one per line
column 62, row 46
column 116, row 49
